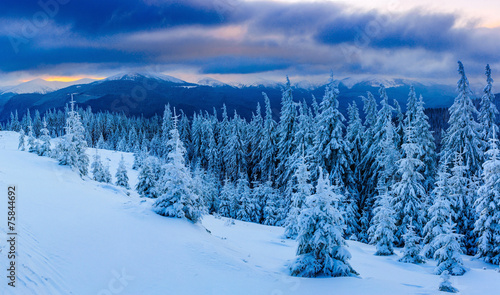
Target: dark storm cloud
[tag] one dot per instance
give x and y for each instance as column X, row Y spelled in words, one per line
column 98, row 17
column 243, row 65
column 306, row 37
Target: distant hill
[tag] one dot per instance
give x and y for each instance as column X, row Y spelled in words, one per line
column 146, row 94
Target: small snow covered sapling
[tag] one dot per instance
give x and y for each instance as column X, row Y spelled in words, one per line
column 121, row 174
column 448, row 255
column 411, row 250
column 445, row 284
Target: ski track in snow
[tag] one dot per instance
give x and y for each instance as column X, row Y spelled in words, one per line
column 76, row 236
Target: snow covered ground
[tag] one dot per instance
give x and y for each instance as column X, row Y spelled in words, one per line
column 82, row 237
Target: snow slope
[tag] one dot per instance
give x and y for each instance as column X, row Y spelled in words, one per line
column 41, row 86
column 81, row 237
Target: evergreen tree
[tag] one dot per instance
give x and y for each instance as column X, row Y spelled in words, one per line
column 463, row 134
column 448, row 254
column 177, row 198
column 383, row 223
column 487, row 206
column 226, row 198
column 272, row 214
column 21, row 145
column 286, row 132
column 32, row 143
column 408, row 192
column 411, row 250
column 149, row 174
column 330, row 148
column 488, row 110
column 445, row 285
column 418, row 120
column 322, row 250
column 44, row 149
column 121, row 174
column 246, row 206
column 462, row 192
column 438, row 213
column 99, row 172
column 300, row 192
column 267, row 145
column 71, row 150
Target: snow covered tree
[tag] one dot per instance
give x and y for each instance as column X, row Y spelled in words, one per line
column 445, row 285
column 462, row 192
column 140, row 156
column 206, row 185
column 71, row 150
column 322, row 250
column 408, row 192
column 418, row 120
column 448, row 254
column 488, row 111
column 412, row 248
column 100, row 172
column 438, row 213
column 487, row 206
column 44, row 148
column 354, row 137
column 286, row 134
column 383, row 226
column 101, row 144
column 246, row 206
column 149, row 174
column 332, row 152
column 267, row 145
column 177, row 198
column 463, row 134
column 21, row 145
column 226, row 198
column 272, row 211
column 121, row 174
column 32, row 143
column 302, row 190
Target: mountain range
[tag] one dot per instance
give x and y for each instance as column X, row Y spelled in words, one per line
column 146, row 94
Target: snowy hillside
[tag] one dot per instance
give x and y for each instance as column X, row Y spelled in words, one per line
column 139, row 76
column 82, row 237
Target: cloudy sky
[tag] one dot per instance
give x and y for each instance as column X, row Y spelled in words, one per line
column 237, row 40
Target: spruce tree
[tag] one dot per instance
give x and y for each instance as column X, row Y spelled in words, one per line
column 332, row 152
column 246, row 207
column 149, row 174
column 71, row 150
column 448, row 254
column 300, row 192
column 322, row 250
column 412, row 248
column 438, row 213
column 488, row 111
column 32, row 143
column 177, row 198
column 487, row 206
column 44, row 148
column 463, row 134
column 445, row 285
column 408, row 192
column 226, row 198
column 121, row 174
column 21, row 145
column 286, row 134
column 383, row 226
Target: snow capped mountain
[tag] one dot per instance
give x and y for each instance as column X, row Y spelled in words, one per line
column 207, row 81
column 137, row 76
column 42, row 86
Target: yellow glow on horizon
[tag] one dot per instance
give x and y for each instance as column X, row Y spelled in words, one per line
column 69, row 78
